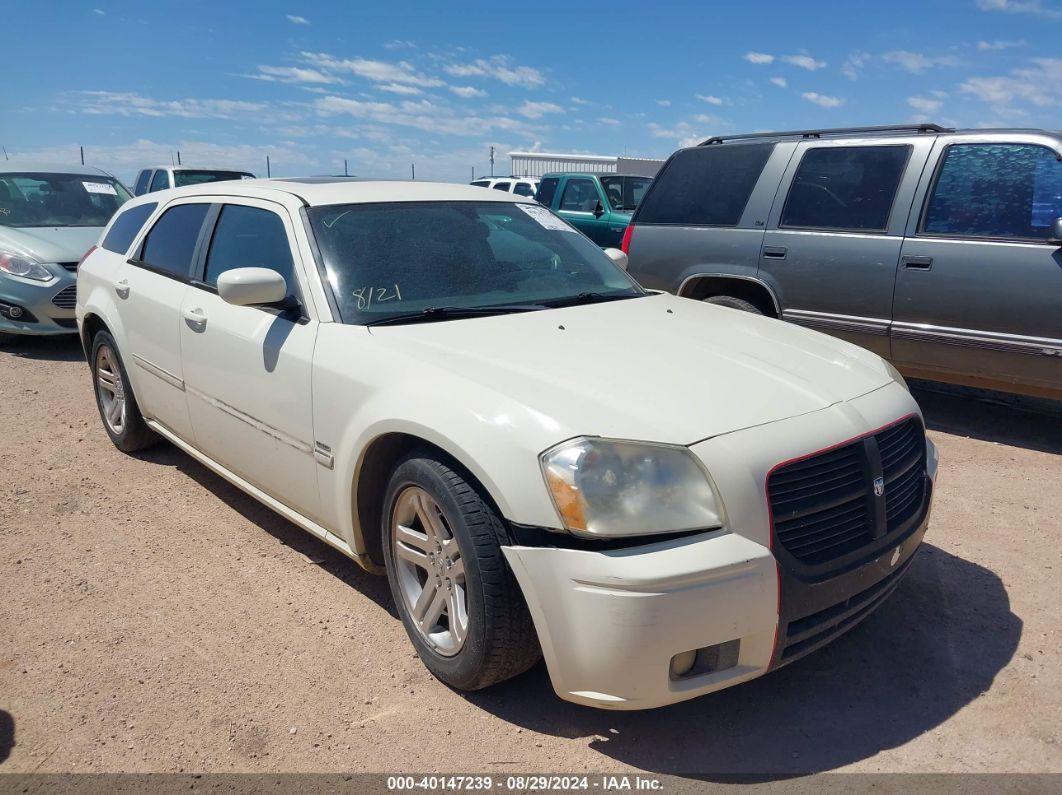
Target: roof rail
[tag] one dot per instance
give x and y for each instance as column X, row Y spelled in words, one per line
column 894, row 128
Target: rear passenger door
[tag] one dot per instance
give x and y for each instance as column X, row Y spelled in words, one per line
column 834, row 235
column 979, row 291
column 247, row 369
column 583, row 206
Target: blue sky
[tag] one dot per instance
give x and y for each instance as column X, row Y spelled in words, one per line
column 388, row 84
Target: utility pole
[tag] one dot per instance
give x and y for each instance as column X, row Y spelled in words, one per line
column 473, row 173
column 269, row 172
column 82, row 155
column 413, row 169
column 492, row 161
column 345, row 172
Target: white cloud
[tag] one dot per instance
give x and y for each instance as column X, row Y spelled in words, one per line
column 421, row 115
column 683, row 133
column 399, row 44
column 399, row 88
column 1039, row 85
column 924, row 104
column 710, row 99
column 99, row 11
column 916, row 62
column 468, row 91
column 664, row 103
column 113, row 103
column 376, row 71
column 609, row 121
column 854, row 64
column 759, row 57
column 804, row 62
column 580, row 101
column 995, row 46
column 1020, row 7
column 536, row 110
column 292, row 74
column 297, row 20
column 781, row 82
column 822, row 100
column 498, row 67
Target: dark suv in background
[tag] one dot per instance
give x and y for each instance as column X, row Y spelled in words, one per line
column 936, row 248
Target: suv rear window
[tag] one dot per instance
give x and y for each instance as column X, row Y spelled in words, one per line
column 126, row 226
column 705, row 186
column 847, row 188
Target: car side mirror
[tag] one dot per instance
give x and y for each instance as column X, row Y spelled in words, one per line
column 598, row 210
column 1055, row 233
column 617, row 256
column 251, row 286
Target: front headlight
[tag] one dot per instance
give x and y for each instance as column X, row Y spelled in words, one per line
column 25, row 267
column 604, row 487
column 895, row 374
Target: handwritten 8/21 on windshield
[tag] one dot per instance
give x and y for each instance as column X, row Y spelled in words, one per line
column 370, row 296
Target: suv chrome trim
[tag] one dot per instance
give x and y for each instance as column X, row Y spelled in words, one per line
column 1009, row 343
column 863, row 325
column 760, row 282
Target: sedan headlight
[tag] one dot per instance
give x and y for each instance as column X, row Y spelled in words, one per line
column 604, row 487
column 895, row 374
column 25, row 267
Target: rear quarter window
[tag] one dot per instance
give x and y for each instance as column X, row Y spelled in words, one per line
column 126, row 226
column 705, row 185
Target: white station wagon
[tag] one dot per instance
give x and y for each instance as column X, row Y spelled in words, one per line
column 660, row 497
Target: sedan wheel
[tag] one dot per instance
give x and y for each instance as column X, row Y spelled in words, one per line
column 110, row 390
column 118, row 408
column 431, row 571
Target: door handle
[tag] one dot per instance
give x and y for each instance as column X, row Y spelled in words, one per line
column 775, row 252
column 122, row 288
column 195, row 318
column 917, row 263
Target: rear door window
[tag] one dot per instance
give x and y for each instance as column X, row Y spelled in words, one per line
column 482, row 183
column 845, row 188
column 996, row 191
column 249, row 237
column 705, row 185
column 126, row 227
column 161, row 180
column 580, row 196
column 502, row 186
column 547, row 189
column 170, row 244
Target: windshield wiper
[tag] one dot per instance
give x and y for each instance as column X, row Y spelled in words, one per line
column 589, row 298
column 453, row 313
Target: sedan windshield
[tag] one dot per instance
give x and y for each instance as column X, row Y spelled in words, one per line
column 186, row 176
column 37, row 199
column 428, row 260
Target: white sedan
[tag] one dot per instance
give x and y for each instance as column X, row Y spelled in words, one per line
column 660, row 497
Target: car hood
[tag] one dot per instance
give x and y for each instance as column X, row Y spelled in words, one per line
column 658, row 368
column 51, row 243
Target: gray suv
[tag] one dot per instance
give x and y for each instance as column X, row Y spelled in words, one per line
column 938, row 249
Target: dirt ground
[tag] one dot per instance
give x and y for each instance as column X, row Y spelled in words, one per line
column 156, row 619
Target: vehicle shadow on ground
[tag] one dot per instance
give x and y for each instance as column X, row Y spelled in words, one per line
column 7, row 735
column 318, row 552
column 1032, row 423
column 65, row 348
column 930, row 650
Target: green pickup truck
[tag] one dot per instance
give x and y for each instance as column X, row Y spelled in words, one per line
column 598, row 205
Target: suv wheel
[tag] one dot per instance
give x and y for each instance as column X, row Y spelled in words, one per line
column 118, row 409
column 460, row 604
column 733, row 303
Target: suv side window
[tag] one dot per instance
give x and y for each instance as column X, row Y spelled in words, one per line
column 547, row 189
column 126, row 226
column 161, row 181
column 501, row 186
column 705, row 185
column 580, row 196
column 847, row 188
column 142, row 181
column 170, row 244
column 995, row 191
column 249, row 237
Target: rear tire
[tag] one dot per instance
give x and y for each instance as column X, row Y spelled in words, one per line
column 114, row 397
column 733, row 303
column 460, row 603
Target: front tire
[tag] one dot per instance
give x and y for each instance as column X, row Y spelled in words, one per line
column 114, row 398
column 459, row 602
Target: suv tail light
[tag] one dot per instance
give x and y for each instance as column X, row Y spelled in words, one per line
column 625, row 244
column 85, row 256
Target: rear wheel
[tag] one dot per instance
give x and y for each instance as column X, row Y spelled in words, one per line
column 733, row 303
column 118, row 409
column 459, row 602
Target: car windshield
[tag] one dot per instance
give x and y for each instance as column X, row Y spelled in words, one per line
column 41, row 199
column 385, row 260
column 184, row 177
column 625, row 193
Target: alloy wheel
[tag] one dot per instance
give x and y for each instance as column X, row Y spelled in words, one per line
column 110, row 389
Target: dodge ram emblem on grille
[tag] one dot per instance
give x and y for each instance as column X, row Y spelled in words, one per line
column 879, row 486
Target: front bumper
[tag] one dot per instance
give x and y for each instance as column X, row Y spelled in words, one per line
column 609, row 622
column 40, row 315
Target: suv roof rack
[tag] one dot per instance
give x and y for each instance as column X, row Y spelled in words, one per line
column 894, row 128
